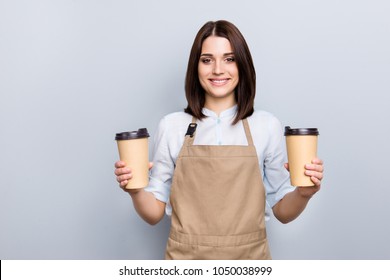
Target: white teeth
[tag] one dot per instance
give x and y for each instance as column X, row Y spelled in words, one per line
column 219, row 81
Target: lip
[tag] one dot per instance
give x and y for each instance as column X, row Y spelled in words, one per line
column 219, row 82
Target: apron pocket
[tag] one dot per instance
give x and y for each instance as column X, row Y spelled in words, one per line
column 253, row 246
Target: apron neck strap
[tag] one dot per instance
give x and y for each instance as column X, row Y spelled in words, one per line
column 247, row 132
column 191, row 132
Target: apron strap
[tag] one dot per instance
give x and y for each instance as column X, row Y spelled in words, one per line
column 247, row 132
column 189, row 137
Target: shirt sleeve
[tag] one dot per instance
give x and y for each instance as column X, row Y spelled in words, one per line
column 161, row 174
column 276, row 177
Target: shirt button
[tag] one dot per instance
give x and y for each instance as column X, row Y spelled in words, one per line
column 218, row 121
column 219, row 143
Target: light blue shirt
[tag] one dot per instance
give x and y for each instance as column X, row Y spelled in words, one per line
column 267, row 134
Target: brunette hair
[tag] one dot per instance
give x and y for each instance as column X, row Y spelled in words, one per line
column 246, row 87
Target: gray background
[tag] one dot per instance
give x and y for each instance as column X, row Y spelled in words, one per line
column 73, row 73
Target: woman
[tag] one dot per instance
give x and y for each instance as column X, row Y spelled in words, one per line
column 216, row 179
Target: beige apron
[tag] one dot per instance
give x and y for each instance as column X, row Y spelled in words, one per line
column 218, row 203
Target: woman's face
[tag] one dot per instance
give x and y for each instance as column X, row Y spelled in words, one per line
column 217, row 69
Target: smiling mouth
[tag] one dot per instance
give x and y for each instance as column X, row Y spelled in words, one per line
column 219, row 82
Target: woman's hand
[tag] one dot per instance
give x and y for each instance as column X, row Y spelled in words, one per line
column 316, row 172
column 293, row 203
column 123, row 174
column 147, row 206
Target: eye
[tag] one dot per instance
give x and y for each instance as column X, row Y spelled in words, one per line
column 206, row 60
column 230, row 59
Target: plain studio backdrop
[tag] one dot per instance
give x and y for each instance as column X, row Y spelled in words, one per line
column 74, row 73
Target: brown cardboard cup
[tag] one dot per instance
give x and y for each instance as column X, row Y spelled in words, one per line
column 301, row 150
column 133, row 149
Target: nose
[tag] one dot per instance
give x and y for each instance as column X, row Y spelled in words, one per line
column 218, row 68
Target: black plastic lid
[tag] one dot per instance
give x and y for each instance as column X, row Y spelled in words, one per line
column 141, row 133
column 300, row 131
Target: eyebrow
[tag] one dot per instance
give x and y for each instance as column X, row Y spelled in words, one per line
column 209, row 54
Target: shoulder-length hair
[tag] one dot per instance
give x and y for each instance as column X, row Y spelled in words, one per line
column 246, row 87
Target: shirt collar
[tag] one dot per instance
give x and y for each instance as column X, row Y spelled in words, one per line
column 227, row 113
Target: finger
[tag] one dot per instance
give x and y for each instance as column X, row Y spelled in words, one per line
column 120, row 164
column 150, row 165
column 316, row 182
column 287, row 166
column 317, row 161
column 125, row 177
column 123, row 183
column 315, row 167
column 122, row 171
column 317, row 175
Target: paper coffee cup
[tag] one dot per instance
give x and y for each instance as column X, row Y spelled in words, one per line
column 301, row 149
column 133, row 149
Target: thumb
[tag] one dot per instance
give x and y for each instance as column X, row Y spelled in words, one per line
column 287, row 167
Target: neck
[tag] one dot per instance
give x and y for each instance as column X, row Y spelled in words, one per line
column 218, row 105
